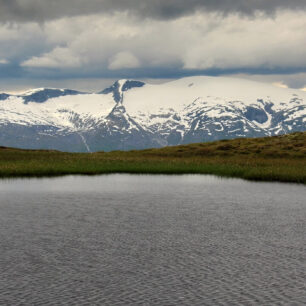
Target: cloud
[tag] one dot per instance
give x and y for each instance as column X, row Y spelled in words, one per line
column 42, row 10
column 295, row 80
column 280, row 84
column 3, row 61
column 18, row 42
column 57, row 58
column 123, row 45
column 123, row 60
column 198, row 42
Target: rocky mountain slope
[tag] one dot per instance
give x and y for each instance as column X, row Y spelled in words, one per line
column 135, row 115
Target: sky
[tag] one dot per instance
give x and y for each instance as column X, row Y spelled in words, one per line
column 86, row 45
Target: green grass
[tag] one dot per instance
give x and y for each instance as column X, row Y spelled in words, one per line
column 279, row 158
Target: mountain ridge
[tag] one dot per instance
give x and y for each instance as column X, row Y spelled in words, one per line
column 133, row 115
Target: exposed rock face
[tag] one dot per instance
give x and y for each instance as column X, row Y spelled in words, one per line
column 134, row 115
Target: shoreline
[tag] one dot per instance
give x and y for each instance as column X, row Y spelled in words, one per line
column 277, row 158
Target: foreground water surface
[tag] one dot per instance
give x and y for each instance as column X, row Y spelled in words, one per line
column 151, row 240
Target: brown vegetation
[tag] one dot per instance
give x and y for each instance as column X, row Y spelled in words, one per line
column 279, row 158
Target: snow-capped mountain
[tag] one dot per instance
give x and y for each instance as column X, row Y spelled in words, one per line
column 135, row 115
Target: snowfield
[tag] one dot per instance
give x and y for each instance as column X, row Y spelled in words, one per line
column 134, row 115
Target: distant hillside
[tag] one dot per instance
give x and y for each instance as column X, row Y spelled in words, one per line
column 279, row 158
column 284, row 146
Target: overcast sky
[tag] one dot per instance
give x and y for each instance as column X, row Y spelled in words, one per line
column 88, row 44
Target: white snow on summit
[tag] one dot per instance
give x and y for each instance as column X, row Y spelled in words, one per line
column 131, row 114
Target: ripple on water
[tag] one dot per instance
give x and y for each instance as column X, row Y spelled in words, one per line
column 151, row 240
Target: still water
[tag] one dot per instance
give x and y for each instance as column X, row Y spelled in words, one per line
column 151, row 240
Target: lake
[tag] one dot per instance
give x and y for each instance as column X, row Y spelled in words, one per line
column 151, row 240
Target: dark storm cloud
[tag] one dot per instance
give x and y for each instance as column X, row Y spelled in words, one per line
column 41, row 10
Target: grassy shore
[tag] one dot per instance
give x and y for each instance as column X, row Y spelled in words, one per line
column 280, row 158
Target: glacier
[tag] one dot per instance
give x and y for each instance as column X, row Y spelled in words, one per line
column 134, row 115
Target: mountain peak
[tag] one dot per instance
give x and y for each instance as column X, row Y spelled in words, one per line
column 129, row 84
column 122, row 117
column 120, row 86
column 30, row 92
column 40, row 95
column 4, row 96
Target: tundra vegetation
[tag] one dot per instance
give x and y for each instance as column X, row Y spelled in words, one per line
column 279, row 158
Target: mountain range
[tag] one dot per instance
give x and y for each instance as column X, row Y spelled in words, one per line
column 135, row 115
